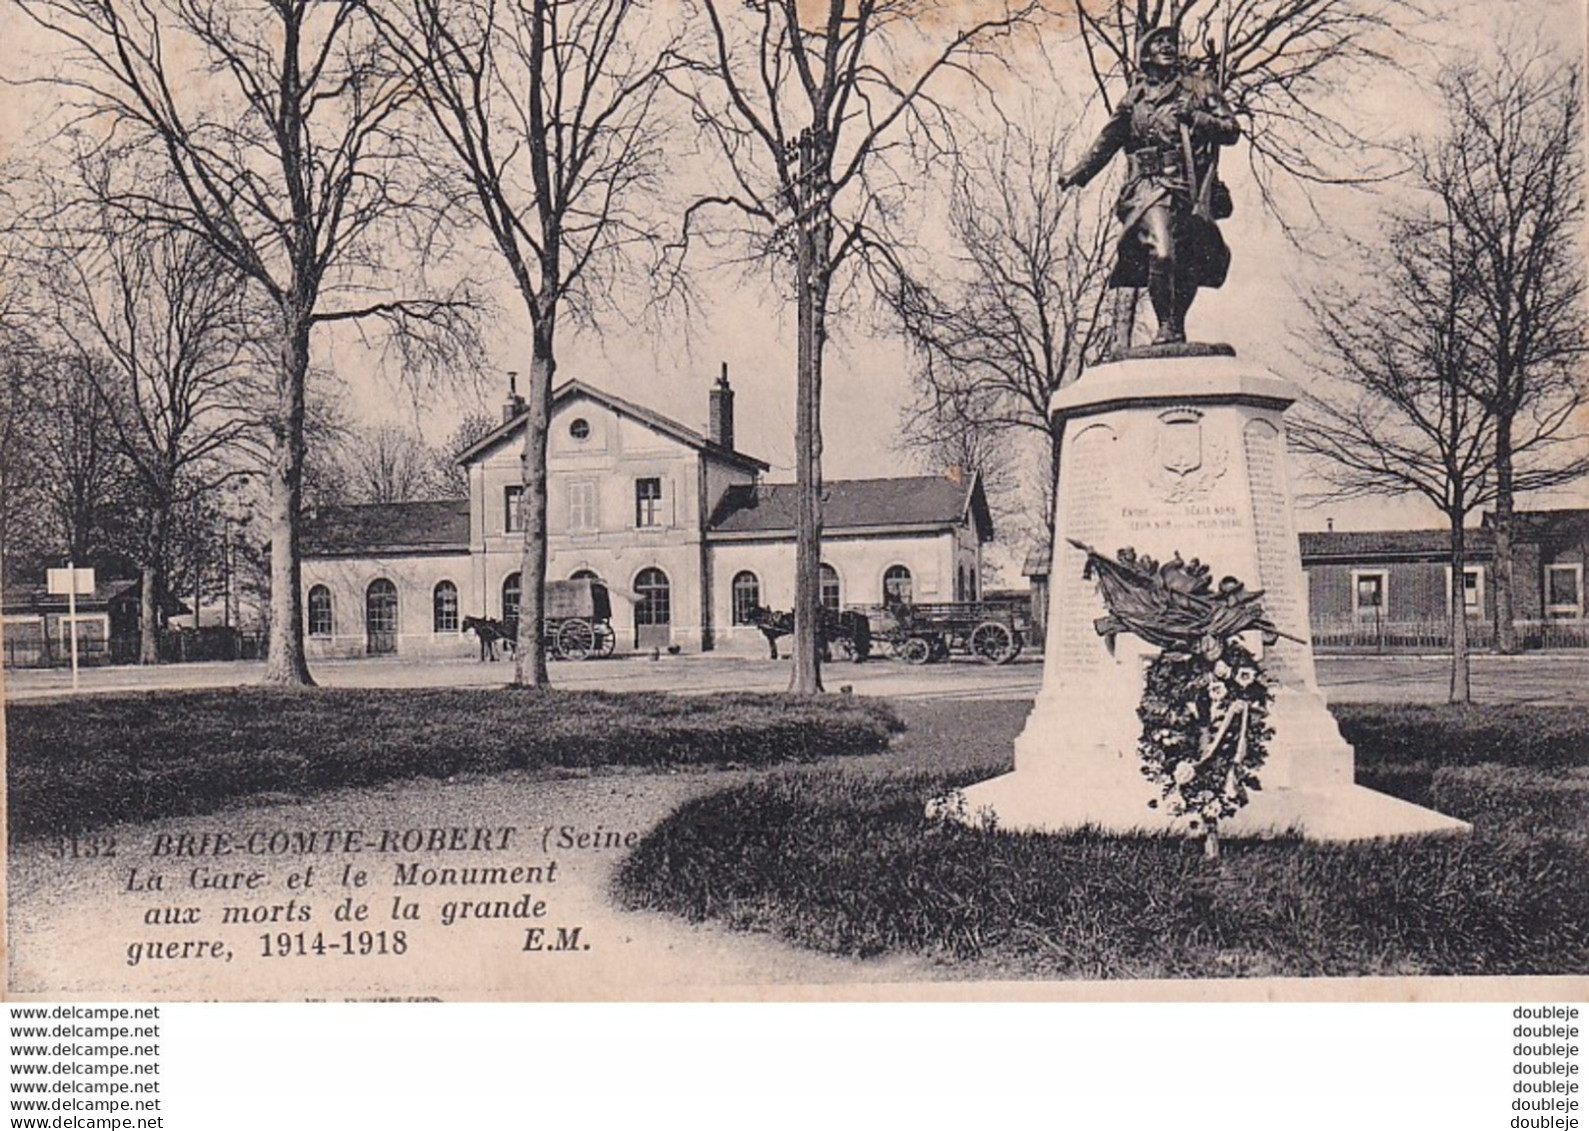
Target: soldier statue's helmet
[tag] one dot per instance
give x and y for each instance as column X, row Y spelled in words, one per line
column 1155, row 36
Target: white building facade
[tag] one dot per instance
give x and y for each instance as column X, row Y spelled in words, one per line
column 677, row 524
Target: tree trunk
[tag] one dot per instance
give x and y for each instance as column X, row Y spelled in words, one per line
column 285, row 663
column 148, row 611
column 1461, row 687
column 806, row 676
column 148, row 608
column 1505, row 593
column 529, row 653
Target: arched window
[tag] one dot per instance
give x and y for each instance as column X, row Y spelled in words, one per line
column 320, row 621
column 831, row 594
column 655, row 605
column 972, row 594
column 380, row 616
column 747, row 595
column 961, row 592
column 445, row 601
column 584, row 575
column 896, row 586
column 510, row 603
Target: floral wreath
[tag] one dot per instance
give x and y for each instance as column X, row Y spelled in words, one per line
column 1204, row 730
column 1205, row 701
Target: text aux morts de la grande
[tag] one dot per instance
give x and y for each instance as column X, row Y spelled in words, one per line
column 350, row 911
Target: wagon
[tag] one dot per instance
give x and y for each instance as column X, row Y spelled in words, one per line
column 993, row 631
column 579, row 619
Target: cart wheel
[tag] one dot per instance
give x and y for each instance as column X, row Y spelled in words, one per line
column 576, row 640
column 606, row 640
column 917, row 650
column 994, row 643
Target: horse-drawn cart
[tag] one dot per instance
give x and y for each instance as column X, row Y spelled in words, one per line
column 993, row 631
column 579, row 620
column 577, row 624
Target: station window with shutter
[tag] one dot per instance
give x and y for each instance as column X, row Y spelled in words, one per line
column 513, row 508
column 582, row 502
column 831, row 592
column 1368, row 592
column 320, row 622
column 445, row 607
column 897, row 588
column 747, row 595
column 1564, row 590
column 648, row 502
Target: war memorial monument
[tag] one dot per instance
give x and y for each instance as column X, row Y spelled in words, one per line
column 1179, row 691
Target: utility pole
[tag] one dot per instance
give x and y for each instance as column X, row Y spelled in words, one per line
column 808, row 200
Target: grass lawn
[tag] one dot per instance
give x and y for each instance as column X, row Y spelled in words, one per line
column 83, row 763
column 842, row 860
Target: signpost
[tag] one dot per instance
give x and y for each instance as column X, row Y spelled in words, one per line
column 71, row 581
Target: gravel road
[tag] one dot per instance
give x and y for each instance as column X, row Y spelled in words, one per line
column 72, row 921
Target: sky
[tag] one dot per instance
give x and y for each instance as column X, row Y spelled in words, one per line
column 867, row 375
column 670, row 366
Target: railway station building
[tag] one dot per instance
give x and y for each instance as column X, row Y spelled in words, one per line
column 679, row 524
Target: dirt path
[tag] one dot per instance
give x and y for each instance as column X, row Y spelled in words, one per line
column 72, row 922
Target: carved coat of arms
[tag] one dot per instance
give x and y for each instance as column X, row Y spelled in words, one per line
column 1185, row 460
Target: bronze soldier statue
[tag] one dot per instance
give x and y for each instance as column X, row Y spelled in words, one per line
column 1171, row 124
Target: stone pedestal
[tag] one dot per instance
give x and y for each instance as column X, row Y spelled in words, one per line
column 1178, row 455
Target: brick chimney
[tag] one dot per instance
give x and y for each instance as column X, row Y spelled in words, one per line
column 515, row 403
column 720, row 415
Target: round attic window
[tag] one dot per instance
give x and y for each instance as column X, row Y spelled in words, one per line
column 579, row 429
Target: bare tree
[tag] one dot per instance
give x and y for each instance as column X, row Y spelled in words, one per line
column 549, row 110
column 1403, row 421
column 941, row 430
column 274, row 117
column 25, row 486
column 180, row 383
column 1410, row 417
column 1016, row 307
column 452, row 481
column 84, row 475
column 1509, row 170
column 813, row 107
column 389, row 464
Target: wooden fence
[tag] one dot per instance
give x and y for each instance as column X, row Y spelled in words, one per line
column 1373, row 635
column 176, row 646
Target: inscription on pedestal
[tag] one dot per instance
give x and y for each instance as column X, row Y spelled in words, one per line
column 1186, row 517
column 1278, row 574
column 1087, row 503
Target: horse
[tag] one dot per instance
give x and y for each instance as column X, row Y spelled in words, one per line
column 772, row 625
column 851, row 627
column 490, row 632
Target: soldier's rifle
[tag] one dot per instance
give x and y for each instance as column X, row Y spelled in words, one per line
column 1203, row 201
